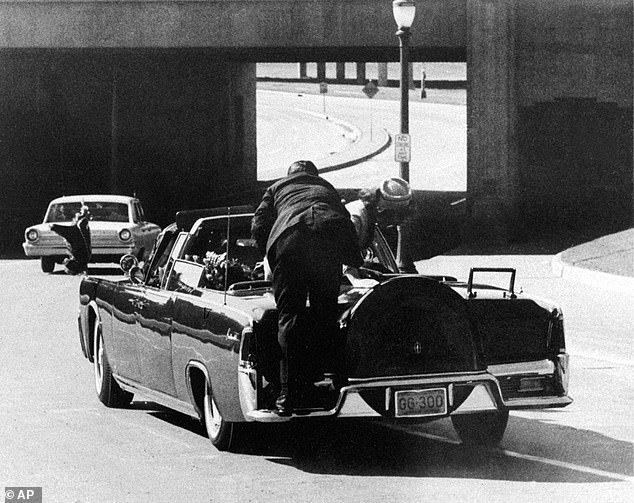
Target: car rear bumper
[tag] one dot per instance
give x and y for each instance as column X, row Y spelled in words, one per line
column 466, row 393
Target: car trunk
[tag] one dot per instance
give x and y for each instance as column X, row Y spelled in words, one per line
column 515, row 330
column 407, row 326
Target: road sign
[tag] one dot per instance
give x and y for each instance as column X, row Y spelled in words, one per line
column 402, row 148
column 370, row 89
column 323, row 87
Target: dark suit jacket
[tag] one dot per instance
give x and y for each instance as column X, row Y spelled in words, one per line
column 309, row 200
column 77, row 237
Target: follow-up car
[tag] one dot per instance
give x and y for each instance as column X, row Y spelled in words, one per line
column 195, row 330
column 117, row 227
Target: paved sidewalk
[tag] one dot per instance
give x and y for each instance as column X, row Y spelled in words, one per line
column 607, row 261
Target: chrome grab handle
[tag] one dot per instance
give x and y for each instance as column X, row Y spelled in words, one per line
column 138, row 303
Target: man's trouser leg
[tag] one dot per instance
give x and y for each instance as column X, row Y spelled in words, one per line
column 289, row 289
column 324, row 285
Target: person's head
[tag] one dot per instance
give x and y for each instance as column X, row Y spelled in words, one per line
column 391, row 194
column 83, row 212
column 306, row 167
column 389, row 201
column 394, row 194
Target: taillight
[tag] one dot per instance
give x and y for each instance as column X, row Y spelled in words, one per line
column 247, row 348
column 556, row 338
column 32, row 235
column 125, row 234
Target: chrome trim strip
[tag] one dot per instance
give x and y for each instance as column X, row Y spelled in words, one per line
column 540, row 402
column 539, row 367
column 352, row 405
column 372, row 382
column 155, row 396
column 479, row 400
column 248, row 395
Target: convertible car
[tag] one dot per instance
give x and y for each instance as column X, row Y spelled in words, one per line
column 195, row 329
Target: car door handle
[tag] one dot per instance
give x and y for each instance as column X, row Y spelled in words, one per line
column 138, row 303
column 233, row 336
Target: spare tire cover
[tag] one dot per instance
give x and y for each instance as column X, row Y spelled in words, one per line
column 410, row 325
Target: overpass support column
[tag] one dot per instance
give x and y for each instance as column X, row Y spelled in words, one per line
column 341, row 72
column 302, row 71
column 382, row 74
column 492, row 170
column 321, row 71
column 361, row 73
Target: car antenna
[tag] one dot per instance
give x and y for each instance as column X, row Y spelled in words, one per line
column 227, row 252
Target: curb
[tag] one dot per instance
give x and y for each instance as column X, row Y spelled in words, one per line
column 385, row 143
column 599, row 279
column 356, row 133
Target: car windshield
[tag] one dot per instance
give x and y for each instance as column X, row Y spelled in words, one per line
column 99, row 211
column 221, row 250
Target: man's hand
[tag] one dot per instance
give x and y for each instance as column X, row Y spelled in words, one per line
column 361, row 277
column 366, row 273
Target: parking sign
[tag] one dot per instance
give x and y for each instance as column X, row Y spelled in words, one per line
column 402, row 148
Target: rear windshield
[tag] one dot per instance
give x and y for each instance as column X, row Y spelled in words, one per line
column 99, row 211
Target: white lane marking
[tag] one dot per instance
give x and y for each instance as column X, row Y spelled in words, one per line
column 594, row 355
column 513, row 454
column 568, row 466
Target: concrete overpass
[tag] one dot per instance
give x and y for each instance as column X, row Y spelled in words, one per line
column 158, row 97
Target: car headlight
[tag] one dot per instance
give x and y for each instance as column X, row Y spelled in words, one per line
column 125, row 235
column 32, row 235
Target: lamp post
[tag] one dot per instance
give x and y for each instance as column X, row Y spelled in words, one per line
column 404, row 12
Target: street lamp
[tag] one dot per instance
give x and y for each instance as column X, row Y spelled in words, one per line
column 404, row 12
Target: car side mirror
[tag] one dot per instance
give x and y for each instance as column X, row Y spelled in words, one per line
column 136, row 274
column 127, row 262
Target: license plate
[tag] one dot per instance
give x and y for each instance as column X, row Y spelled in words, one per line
column 424, row 402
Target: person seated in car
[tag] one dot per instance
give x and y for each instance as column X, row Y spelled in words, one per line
column 384, row 205
column 221, row 272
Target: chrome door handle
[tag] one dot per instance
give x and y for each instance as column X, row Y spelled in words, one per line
column 138, row 303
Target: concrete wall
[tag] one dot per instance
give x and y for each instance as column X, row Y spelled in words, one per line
column 158, row 97
column 176, row 129
column 549, row 115
column 224, row 24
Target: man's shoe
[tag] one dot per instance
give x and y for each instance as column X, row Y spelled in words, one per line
column 283, row 405
column 270, row 394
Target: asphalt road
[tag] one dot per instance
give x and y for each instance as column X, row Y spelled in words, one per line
column 294, row 126
column 54, row 433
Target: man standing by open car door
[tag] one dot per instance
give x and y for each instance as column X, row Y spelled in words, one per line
column 77, row 237
column 307, row 235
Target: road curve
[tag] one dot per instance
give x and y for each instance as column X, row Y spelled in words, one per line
column 438, row 134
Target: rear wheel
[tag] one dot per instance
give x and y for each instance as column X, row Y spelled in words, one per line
column 219, row 431
column 482, row 428
column 108, row 390
column 48, row 264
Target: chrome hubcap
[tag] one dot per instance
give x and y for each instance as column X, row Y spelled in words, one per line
column 213, row 420
column 98, row 356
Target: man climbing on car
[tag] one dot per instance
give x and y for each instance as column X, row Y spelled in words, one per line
column 307, row 235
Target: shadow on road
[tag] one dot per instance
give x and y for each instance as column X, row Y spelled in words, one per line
column 367, row 450
column 352, row 447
